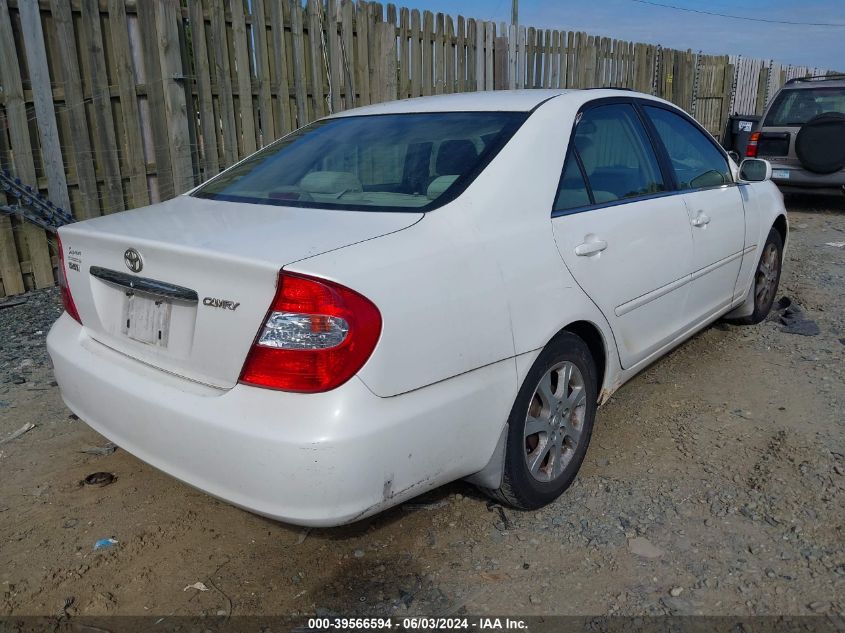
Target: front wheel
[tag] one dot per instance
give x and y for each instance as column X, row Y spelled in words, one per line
column 766, row 279
column 550, row 425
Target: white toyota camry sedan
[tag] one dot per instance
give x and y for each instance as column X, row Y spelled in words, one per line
column 406, row 294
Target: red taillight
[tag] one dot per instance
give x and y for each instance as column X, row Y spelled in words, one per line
column 316, row 336
column 751, row 148
column 67, row 298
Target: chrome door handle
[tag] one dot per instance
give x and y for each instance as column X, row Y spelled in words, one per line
column 702, row 219
column 590, row 248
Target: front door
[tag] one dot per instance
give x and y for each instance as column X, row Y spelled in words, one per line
column 714, row 207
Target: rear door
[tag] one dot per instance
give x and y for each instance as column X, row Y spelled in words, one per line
column 627, row 243
column 714, row 207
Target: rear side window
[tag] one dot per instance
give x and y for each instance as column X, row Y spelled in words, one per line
column 617, row 155
column 696, row 161
column 797, row 106
column 572, row 191
column 393, row 162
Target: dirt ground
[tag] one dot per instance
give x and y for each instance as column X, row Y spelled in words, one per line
column 714, row 485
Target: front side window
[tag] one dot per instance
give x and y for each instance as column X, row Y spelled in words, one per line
column 799, row 105
column 696, row 161
column 396, row 162
column 617, row 155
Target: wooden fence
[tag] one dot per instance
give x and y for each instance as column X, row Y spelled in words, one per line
column 112, row 104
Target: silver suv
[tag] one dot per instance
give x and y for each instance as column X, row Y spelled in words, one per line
column 802, row 134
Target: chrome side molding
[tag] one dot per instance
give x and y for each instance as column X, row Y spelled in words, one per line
column 133, row 283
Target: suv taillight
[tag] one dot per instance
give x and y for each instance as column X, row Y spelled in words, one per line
column 316, row 336
column 751, row 148
column 67, row 298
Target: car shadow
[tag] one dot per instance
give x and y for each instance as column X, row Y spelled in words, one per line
column 814, row 203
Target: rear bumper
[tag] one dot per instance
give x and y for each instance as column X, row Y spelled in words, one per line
column 318, row 460
column 801, row 179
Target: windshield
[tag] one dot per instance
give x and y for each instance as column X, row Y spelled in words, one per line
column 396, row 162
column 796, row 107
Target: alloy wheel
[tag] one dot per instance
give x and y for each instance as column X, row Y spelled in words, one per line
column 766, row 280
column 554, row 421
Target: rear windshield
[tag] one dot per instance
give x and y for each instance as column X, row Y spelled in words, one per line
column 796, row 107
column 395, row 162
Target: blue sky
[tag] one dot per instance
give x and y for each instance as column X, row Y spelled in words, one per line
column 630, row 20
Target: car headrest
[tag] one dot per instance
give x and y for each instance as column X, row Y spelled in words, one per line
column 329, row 182
column 454, row 156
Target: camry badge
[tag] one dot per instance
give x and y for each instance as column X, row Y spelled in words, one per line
column 133, row 261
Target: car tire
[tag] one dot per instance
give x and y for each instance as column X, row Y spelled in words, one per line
column 766, row 280
column 559, row 399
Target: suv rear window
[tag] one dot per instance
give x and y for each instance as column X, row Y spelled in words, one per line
column 395, row 162
column 797, row 106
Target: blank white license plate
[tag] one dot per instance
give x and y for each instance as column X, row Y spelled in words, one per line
column 780, row 173
column 146, row 319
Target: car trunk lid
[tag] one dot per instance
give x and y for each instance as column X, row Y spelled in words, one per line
column 185, row 285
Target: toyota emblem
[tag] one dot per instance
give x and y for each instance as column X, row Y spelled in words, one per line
column 133, row 260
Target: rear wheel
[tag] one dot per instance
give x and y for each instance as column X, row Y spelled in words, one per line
column 550, row 425
column 766, row 279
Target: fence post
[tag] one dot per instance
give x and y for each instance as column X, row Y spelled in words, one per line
column 42, row 94
column 168, row 20
column 24, row 164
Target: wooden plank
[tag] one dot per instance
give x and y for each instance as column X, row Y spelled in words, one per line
column 439, row 55
column 461, row 53
column 279, row 70
column 530, row 36
column 362, row 71
column 11, row 275
column 168, row 25
column 10, row 269
column 489, row 36
column 547, row 58
column 335, row 74
column 387, row 62
column 155, row 102
column 208, row 127
column 500, row 62
column 124, row 69
column 416, row 54
column 428, row 53
column 375, row 12
column 102, row 115
column 226, row 103
column 243, row 73
column 298, row 45
column 479, row 55
column 39, row 78
column 317, row 64
column 512, row 56
column 347, row 40
column 449, row 55
column 21, row 145
column 186, row 84
column 81, row 158
column 267, row 130
column 404, row 53
column 472, row 34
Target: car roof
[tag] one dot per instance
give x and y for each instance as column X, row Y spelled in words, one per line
column 802, row 83
column 485, row 101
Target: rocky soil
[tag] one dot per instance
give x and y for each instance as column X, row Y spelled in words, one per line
column 714, row 485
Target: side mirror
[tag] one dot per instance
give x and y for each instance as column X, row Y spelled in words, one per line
column 734, row 156
column 755, row 170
